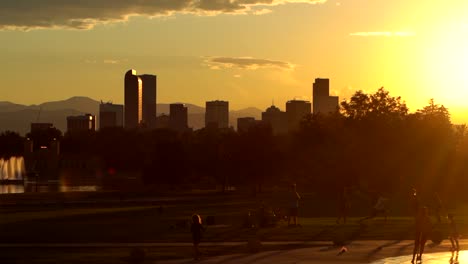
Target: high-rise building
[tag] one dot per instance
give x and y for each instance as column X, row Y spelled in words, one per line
column 244, row 124
column 110, row 115
column 276, row 119
column 149, row 99
column 178, row 117
column 140, row 100
column 133, row 100
column 296, row 110
column 81, row 123
column 322, row 101
column 217, row 114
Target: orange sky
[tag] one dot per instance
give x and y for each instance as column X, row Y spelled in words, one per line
column 249, row 54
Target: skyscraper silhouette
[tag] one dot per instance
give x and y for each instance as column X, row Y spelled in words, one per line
column 85, row 122
column 140, row 100
column 110, row 115
column 178, row 117
column 277, row 119
column 217, row 114
column 296, row 110
column 133, row 100
column 149, row 99
column 322, row 101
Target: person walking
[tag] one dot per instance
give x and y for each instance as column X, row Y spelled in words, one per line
column 343, row 206
column 293, row 198
column 438, row 206
column 423, row 229
column 414, row 203
column 454, row 235
column 196, row 229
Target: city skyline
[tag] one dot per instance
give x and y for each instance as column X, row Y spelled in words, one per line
column 415, row 50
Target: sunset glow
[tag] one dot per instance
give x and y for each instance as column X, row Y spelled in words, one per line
column 247, row 54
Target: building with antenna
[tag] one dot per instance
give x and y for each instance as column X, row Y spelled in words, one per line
column 276, row 119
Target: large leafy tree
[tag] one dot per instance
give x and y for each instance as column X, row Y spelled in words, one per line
column 377, row 105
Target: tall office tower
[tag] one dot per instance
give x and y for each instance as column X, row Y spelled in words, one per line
column 110, row 115
column 217, row 114
column 296, row 110
column 133, row 100
column 178, row 117
column 149, row 99
column 81, row 123
column 323, row 102
column 277, row 119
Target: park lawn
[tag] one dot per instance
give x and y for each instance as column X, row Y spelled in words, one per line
column 124, row 223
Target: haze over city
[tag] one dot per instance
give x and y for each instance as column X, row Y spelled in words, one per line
column 248, row 53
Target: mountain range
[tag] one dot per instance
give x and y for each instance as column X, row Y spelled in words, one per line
column 17, row 117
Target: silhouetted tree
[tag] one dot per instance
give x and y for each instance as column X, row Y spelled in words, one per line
column 11, row 144
column 377, row 105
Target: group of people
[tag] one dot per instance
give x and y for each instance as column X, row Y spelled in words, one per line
column 423, row 224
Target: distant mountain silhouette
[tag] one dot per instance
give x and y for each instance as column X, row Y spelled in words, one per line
column 17, row 117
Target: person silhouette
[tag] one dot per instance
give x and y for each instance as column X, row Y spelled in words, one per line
column 423, row 229
column 343, row 205
column 196, row 229
column 414, row 203
column 438, row 206
column 454, row 235
column 293, row 198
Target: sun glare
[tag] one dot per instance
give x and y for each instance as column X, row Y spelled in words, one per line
column 448, row 64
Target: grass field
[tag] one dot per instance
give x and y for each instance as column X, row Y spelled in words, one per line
column 126, row 223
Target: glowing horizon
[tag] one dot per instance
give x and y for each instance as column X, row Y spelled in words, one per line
column 247, row 54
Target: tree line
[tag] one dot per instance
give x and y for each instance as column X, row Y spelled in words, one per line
column 373, row 142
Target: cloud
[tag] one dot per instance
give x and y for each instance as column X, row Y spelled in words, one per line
column 111, row 61
column 262, row 11
column 77, row 14
column 246, row 63
column 383, row 34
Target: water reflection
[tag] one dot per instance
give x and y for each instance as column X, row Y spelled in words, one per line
column 11, row 188
column 30, row 187
column 444, row 257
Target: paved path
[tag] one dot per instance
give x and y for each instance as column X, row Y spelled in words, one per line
column 434, row 258
column 375, row 252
